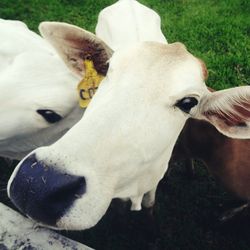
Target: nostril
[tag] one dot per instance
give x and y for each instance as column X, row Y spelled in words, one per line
column 63, row 193
column 44, row 193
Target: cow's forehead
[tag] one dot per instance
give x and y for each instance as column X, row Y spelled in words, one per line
column 145, row 53
column 42, row 81
column 161, row 49
column 170, row 64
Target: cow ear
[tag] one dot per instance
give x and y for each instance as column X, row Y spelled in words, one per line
column 75, row 45
column 228, row 110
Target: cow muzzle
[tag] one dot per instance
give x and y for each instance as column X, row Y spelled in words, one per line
column 42, row 192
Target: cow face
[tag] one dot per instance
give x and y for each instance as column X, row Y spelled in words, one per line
column 122, row 145
column 37, row 92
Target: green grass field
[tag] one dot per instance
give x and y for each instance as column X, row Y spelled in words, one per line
column 186, row 211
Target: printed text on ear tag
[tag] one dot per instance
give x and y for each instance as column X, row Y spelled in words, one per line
column 89, row 84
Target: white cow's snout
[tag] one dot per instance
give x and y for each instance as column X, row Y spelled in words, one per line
column 43, row 192
column 54, row 196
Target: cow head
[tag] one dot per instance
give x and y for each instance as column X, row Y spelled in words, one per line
column 37, row 92
column 122, row 145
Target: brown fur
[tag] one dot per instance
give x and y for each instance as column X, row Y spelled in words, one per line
column 228, row 160
column 87, row 49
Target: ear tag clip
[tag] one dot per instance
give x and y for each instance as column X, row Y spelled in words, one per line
column 89, row 84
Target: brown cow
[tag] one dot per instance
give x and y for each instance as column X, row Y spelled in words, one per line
column 227, row 159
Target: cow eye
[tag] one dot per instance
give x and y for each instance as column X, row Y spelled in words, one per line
column 186, row 104
column 49, row 115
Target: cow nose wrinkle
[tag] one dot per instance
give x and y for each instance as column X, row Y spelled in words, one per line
column 44, row 193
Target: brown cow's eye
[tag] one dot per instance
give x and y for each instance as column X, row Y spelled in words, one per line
column 49, row 115
column 186, row 104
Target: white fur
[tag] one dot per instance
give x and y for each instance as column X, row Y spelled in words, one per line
column 127, row 22
column 123, row 143
column 32, row 77
column 129, row 131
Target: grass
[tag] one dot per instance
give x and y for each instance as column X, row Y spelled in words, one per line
column 186, row 210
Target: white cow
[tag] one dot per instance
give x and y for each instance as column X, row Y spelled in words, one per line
column 121, row 147
column 37, row 92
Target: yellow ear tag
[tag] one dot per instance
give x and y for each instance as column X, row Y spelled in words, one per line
column 89, row 84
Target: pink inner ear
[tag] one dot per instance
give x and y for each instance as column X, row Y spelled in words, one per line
column 239, row 117
column 243, row 109
column 230, row 120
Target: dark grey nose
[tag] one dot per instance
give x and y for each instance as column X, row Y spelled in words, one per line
column 42, row 192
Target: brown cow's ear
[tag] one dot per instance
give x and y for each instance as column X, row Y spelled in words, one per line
column 74, row 45
column 228, row 110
